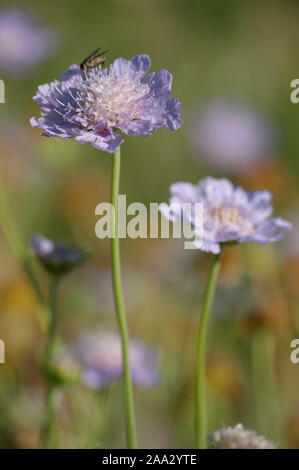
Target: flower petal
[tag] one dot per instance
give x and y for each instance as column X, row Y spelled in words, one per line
column 172, row 114
column 108, row 143
column 139, row 65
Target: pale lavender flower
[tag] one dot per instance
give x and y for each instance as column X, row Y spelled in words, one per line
column 238, row 437
column 91, row 106
column 23, row 43
column 100, row 356
column 230, row 214
column 231, row 137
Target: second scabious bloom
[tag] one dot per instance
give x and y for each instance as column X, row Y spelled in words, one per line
column 230, row 214
column 95, row 106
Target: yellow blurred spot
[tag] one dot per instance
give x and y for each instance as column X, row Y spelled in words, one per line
column 224, row 377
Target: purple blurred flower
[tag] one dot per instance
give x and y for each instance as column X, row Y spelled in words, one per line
column 232, row 137
column 23, row 43
column 100, row 355
column 231, row 214
column 91, row 106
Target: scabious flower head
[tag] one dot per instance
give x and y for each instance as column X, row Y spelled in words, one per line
column 238, row 437
column 230, row 214
column 100, row 355
column 56, row 258
column 90, row 106
column 231, row 137
column 23, row 43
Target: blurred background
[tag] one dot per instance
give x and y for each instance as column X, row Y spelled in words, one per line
column 232, row 64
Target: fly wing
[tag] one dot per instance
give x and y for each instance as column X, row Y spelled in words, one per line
column 93, row 54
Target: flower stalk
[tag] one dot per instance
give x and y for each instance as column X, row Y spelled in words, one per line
column 51, row 389
column 201, row 347
column 120, row 309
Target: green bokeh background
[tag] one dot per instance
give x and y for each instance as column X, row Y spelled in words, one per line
column 238, row 50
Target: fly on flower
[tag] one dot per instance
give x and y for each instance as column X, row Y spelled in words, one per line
column 94, row 107
column 94, row 60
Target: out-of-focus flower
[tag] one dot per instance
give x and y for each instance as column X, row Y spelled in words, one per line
column 231, row 214
column 56, row 258
column 90, row 106
column 238, row 437
column 23, row 43
column 231, row 137
column 100, row 355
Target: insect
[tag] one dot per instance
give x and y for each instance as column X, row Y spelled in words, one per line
column 95, row 59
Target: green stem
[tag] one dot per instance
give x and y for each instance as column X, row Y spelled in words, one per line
column 53, row 306
column 120, row 310
column 51, row 390
column 201, row 346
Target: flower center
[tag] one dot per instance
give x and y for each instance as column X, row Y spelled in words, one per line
column 115, row 99
column 227, row 215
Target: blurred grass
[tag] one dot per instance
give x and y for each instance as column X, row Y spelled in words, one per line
column 234, row 49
